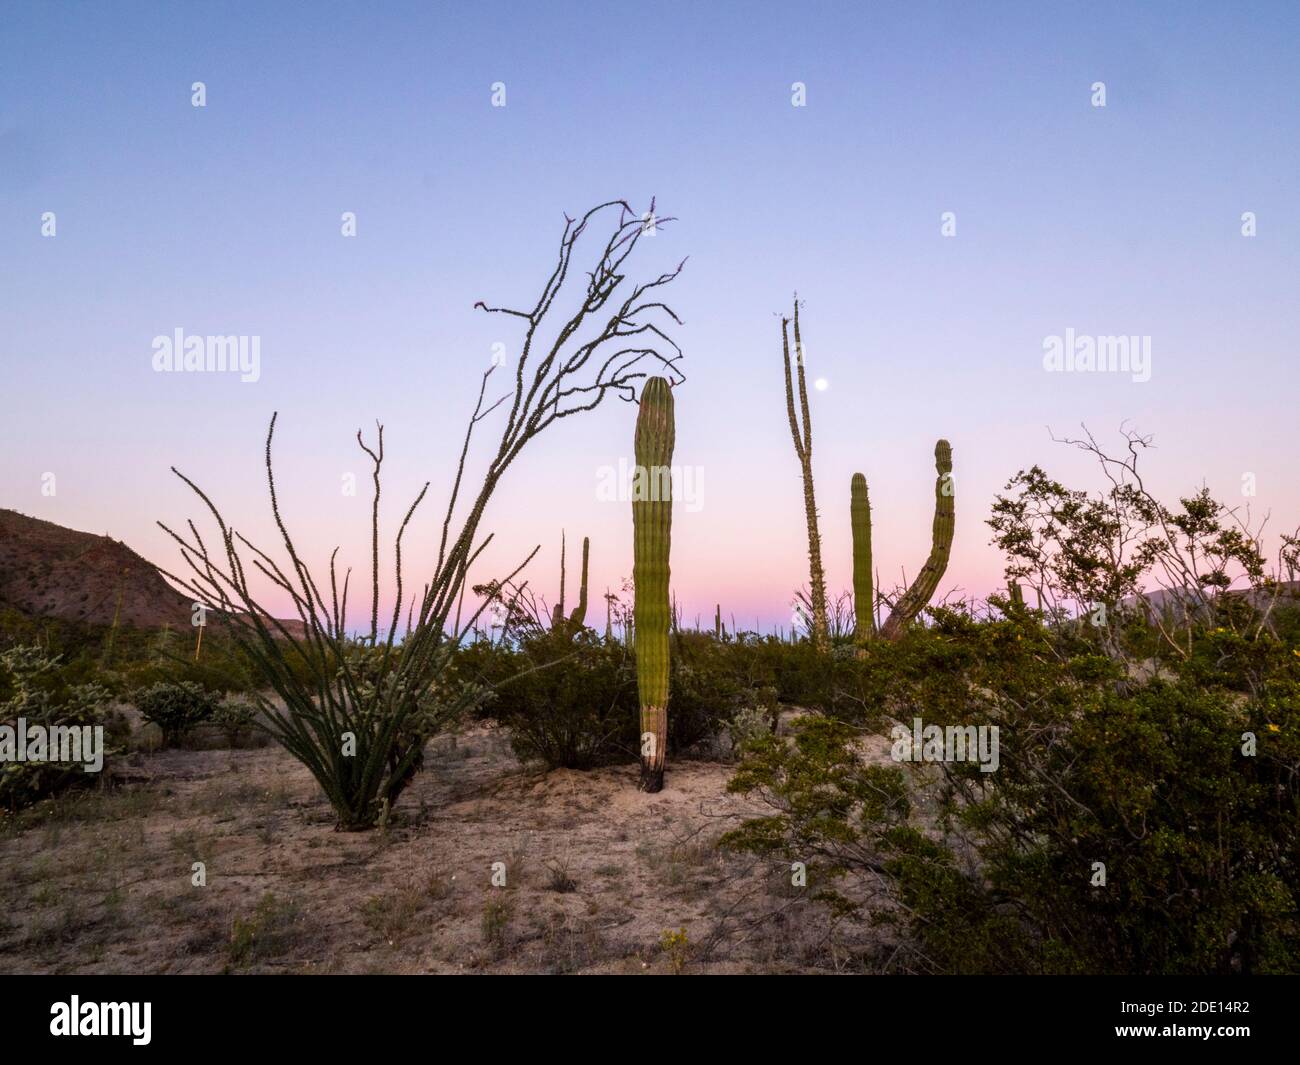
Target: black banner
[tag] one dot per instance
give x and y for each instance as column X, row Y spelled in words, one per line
column 161, row 1014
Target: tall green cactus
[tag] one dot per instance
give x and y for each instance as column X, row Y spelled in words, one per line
column 913, row 601
column 864, row 597
column 652, row 517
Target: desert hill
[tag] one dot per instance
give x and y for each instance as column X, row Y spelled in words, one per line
column 50, row 571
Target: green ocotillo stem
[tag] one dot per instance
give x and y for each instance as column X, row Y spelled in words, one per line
column 913, row 601
column 579, row 615
column 863, row 593
column 652, row 517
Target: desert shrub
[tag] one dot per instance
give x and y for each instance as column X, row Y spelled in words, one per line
column 747, row 726
column 176, row 707
column 569, row 699
column 236, row 718
column 1157, row 779
column 704, row 690
column 34, row 688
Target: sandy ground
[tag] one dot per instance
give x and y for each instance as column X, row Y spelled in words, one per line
column 596, row 874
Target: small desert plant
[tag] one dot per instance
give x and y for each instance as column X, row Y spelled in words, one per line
column 677, row 947
column 267, row 933
column 33, row 688
column 558, row 878
column 495, row 922
column 176, row 707
column 748, row 726
column 237, row 719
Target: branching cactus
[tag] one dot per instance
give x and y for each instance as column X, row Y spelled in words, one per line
column 864, row 597
column 579, row 616
column 652, row 517
column 913, row 601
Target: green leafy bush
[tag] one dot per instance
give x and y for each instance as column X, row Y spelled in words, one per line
column 176, row 707
column 1131, row 826
column 569, row 699
column 236, row 718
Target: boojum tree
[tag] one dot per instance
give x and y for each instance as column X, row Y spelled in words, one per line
column 801, row 433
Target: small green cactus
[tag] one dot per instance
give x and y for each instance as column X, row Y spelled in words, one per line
column 652, row 516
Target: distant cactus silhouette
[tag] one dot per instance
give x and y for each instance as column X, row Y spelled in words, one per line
column 914, row 600
column 802, row 436
column 579, row 616
column 864, row 599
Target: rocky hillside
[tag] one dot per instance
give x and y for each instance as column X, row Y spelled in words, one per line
column 49, row 571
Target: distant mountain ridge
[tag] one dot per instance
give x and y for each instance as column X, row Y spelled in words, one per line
column 49, row 571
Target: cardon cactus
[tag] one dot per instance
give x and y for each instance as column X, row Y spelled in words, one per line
column 579, row 616
column 652, row 517
column 863, row 591
column 918, row 595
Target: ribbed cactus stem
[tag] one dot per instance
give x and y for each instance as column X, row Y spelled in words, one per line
column 579, row 616
column 914, row 600
column 652, row 517
column 864, row 596
column 1014, row 593
column 557, row 611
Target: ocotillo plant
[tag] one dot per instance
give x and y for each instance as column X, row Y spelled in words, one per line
column 912, row 601
column 864, row 599
column 652, row 517
column 358, row 714
column 803, row 450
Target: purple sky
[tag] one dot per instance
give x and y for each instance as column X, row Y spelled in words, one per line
column 225, row 219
